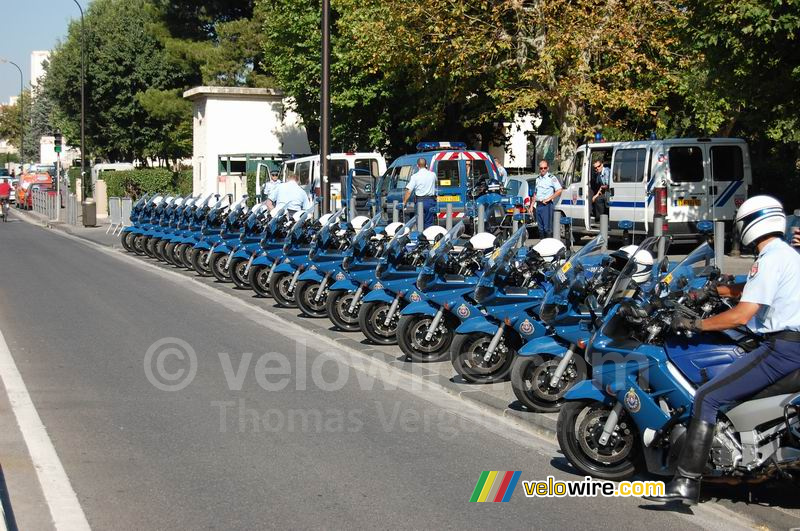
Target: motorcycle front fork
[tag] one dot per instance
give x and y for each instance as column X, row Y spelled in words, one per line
column 562, row 366
column 495, row 341
column 322, row 286
column 435, row 323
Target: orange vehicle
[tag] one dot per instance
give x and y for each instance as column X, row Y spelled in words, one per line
column 25, row 182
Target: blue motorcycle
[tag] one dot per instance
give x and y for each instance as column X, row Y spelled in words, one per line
column 177, row 230
column 127, row 234
column 222, row 251
column 161, row 237
column 293, row 259
column 447, row 280
column 191, row 231
column 152, row 225
column 262, row 260
column 634, row 412
column 252, row 232
column 396, row 272
column 209, row 236
column 357, row 275
column 510, row 291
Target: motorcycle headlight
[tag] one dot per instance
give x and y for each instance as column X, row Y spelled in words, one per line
column 548, row 312
column 424, row 280
column 347, row 262
column 482, row 293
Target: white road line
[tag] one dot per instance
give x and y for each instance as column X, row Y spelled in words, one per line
column 61, row 499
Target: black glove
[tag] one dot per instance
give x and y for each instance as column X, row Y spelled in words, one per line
column 681, row 322
column 697, row 295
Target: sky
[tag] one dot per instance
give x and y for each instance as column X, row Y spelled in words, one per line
column 29, row 25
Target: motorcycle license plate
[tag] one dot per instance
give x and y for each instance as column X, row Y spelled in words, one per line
column 249, row 263
column 688, row 202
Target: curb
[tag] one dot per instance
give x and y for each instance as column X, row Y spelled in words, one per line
column 541, row 425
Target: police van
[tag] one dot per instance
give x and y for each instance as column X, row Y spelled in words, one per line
column 367, row 169
column 461, row 175
column 684, row 180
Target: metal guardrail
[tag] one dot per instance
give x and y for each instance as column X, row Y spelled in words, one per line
column 46, row 203
column 114, row 214
column 127, row 206
column 72, row 209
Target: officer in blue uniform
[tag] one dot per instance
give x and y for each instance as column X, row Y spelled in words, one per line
column 290, row 194
column 602, row 177
column 546, row 191
column 423, row 185
column 271, row 184
column 769, row 305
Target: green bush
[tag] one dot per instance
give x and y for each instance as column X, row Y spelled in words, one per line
column 135, row 183
column 72, row 174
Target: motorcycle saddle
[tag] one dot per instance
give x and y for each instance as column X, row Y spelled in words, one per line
column 787, row 385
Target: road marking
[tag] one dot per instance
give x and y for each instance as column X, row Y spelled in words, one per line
column 61, row 499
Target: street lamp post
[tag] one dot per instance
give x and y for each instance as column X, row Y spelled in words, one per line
column 325, row 110
column 88, row 207
column 21, row 110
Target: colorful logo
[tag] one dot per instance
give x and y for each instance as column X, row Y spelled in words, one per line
column 526, row 327
column 494, row 486
column 415, row 297
column 339, row 276
column 463, row 311
column 632, row 401
column 377, row 285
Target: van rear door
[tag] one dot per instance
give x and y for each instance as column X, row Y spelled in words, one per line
column 574, row 201
column 729, row 166
column 628, row 185
column 689, row 176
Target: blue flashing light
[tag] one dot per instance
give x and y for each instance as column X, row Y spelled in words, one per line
column 432, row 146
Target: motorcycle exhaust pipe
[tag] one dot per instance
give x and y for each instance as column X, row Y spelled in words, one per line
column 392, row 310
column 562, row 366
column 493, row 344
column 610, row 424
column 322, row 286
column 435, row 323
column 356, row 297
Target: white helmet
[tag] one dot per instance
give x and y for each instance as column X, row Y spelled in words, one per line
column 644, row 266
column 359, row 221
column 548, row 248
column 296, row 216
column 759, row 216
column 482, row 241
column 275, row 211
column 432, row 232
column 324, row 219
column 391, row 228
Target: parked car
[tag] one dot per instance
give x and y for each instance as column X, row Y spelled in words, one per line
column 25, row 182
column 28, row 201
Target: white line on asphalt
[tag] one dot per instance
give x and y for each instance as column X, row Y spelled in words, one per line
column 707, row 516
column 61, row 499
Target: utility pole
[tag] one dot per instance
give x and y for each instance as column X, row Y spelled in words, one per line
column 325, row 110
column 21, row 111
column 89, row 208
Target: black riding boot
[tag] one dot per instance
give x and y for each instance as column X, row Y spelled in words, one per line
column 685, row 486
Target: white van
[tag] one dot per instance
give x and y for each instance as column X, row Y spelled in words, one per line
column 685, row 180
column 369, row 168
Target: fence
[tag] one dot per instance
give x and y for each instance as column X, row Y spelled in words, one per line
column 119, row 213
column 73, row 207
column 46, row 202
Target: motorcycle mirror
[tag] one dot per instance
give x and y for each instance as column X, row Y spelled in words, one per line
column 593, row 304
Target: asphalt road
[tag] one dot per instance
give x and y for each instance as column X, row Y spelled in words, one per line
column 304, row 441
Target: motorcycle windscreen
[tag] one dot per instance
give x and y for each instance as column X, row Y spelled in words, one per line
column 570, row 276
column 693, row 271
column 394, row 244
column 498, row 260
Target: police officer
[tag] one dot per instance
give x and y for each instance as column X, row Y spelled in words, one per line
column 423, row 185
column 290, row 194
column 271, row 184
column 768, row 305
column 546, row 191
column 602, row 176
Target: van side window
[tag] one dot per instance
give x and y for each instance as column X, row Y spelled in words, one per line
column 303, row 170
column 370, row 165
column 686, row 164
column 726, row 163
column 287, row 169
column 337, row 170
column 574, row 175
column 403, row 173
column 629, row 165
column 447, row 173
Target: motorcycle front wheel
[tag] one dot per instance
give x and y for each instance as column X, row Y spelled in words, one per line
column 257, row 277
column 580, row 424
column 159, row 250
column 187, row 251
column 139, row 244
column 236, row 270
column 530, row 381
column 279, row 285
column 338, row 310
column 411, row 332
column 150, row 247
column 306, row 296
column 127, row 241
column 468, row 353
column 217, row 265
column 372, row 321
column 169, row 253
column 199, row 262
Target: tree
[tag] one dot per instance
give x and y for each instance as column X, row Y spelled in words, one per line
column 125, row 59
column 10, row 124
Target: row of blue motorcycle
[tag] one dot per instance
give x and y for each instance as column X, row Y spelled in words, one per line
column 586, row 334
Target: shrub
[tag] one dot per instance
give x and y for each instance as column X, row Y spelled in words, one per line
column 135, row 183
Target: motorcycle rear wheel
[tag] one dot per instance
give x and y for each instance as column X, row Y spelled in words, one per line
column 306, row 294
column 159, row 250
column 371, row 320
column 150, row 247
column 411, row 331
column 199, row 262
column 139, row 244
column 467, row 352
column 186, row 258
column 169, row 253
column 337, row 306
column 279, row 286
column 580, row 424
column 236, row 270
column 257, row 277
column 530, row 381
column 217, row 266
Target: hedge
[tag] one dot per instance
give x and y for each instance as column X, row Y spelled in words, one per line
column 72, row 174
column 135, row 183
